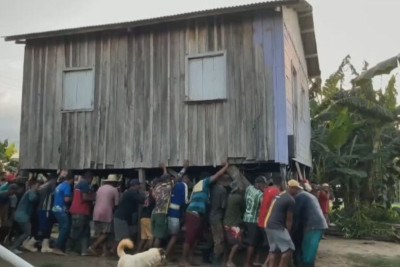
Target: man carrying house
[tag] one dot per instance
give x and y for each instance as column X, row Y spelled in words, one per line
column 218, row 203
column 309, row 225
column 62, row 200
column 107, row 198
column 128, row 205
column 196, row 211
column 179, row 198
column 279, row 222
column 81, row 210
column 253, row 234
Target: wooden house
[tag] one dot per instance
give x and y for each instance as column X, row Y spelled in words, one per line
column 205, row 86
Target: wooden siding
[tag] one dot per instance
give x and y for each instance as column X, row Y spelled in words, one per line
column 140, row 116
column 297, row 102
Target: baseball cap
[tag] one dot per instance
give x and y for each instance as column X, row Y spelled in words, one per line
column 294, row 183
column 325, row 185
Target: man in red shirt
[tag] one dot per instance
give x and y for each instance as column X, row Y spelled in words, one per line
column 323, row 198
column 270, row 192
column 81, row 209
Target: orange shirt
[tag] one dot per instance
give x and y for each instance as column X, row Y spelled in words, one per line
column 269, row 194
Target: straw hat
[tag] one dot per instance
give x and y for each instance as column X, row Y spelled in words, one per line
column 111, row 178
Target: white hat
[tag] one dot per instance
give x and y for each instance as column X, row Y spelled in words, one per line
column 111, row 178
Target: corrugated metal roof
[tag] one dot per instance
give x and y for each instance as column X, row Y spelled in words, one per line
column 303, row 8
column 151, row 21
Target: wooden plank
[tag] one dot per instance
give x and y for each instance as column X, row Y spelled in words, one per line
column 90, row 117
column 58, row 137
column 152, row 147
column 105, row 80
column 26, row 88
column 121, row 103
column 112, row 115
column 183, row 108
column 140, row 121
column 222, row 109
column 82, row 146
column 130, row 94
column 147, row 136
column 97, row 140
column 250, row 88
column 163, row 96
column 49, row 111
column 233, row 79
column 260, row 73
column 174, row 99
column 38, row 131
column 202, row 44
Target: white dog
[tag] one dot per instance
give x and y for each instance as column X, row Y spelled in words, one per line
column 152, row 257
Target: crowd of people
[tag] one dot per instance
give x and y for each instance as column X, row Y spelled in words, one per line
column 286, row 225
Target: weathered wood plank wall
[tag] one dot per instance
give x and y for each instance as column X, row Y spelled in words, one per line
column 297, row 104
column 140, row 117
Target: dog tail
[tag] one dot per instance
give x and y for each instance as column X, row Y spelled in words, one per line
column 124, row 244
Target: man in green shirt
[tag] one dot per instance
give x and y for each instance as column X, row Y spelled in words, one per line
column 253, row 234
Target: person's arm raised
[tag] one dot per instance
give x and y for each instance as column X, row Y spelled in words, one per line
column 220, row 172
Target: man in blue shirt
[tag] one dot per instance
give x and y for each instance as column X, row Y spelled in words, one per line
column 62, row 200
column 196, row 211
column 179, row 198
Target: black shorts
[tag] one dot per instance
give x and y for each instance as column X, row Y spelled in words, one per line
column 253, row 235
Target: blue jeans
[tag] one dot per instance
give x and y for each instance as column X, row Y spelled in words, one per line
column 64, row 227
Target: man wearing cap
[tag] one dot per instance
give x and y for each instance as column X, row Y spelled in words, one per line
column 308, row 226
column 127, row 206
column 253, row 234
column 107, row 198
column 81, row 209
column 279, row 222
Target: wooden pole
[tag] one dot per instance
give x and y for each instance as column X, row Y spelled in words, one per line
column 10, row 257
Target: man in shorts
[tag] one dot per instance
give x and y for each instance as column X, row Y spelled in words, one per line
column 195, row 213
column 279, row 222
column 253, row 234
column 162, row 196
column 107, row 197
column 179, row 199
column 128, row 205
column 233, row 220
column 308, row 226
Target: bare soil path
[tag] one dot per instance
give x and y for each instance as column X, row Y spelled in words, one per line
column 333, row 252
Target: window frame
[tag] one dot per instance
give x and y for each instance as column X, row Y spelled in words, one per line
column 76, row 69
column 188, row 57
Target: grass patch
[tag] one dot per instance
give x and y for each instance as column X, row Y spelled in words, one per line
column 378, row 261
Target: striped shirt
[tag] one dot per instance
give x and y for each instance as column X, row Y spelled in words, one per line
column 253, row 198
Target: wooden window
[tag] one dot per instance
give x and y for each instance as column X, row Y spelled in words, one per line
column 206, row 77
column 78, row 89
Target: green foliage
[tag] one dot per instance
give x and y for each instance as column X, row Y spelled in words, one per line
column 367, row 222
column 355, row 138
column 6, row 152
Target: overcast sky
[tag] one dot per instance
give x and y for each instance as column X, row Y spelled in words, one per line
column 365, row 29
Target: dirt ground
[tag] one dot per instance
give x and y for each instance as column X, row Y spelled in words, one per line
column 332, row 253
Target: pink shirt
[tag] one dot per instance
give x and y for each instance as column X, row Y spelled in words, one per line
column 107, row 198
